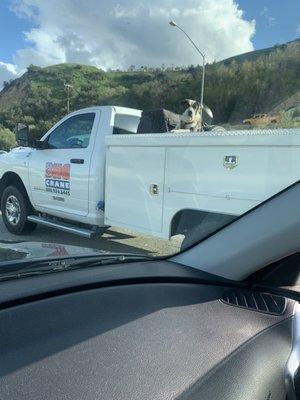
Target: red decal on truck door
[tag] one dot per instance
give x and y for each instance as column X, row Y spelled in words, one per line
column 57, row 178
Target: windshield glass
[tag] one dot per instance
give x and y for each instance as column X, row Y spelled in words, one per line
column 140, row 128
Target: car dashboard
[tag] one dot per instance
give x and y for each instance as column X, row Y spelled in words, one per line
column 147, row 330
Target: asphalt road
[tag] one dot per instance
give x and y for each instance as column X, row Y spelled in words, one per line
column 115, row 240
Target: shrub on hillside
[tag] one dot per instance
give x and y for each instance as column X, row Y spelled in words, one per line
column 7, row 139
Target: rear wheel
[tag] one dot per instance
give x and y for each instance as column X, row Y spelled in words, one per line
column 15, row 208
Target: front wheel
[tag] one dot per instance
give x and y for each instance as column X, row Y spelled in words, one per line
column 15, row 208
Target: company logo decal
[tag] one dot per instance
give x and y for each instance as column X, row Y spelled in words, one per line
column 57, row 178
column 230, row 162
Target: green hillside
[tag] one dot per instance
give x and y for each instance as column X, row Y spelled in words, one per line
column 257, row 82
column 254, row 55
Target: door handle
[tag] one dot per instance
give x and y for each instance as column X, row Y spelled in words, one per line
column 77, row 161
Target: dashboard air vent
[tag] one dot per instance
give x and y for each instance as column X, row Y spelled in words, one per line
column 263, row 302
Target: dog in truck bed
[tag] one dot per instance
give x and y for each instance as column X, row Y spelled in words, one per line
column 191, row 118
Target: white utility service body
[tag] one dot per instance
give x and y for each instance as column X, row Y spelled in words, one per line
column 142, row 181
column 227, row 173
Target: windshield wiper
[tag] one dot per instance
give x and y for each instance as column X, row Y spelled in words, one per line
column 34, row 268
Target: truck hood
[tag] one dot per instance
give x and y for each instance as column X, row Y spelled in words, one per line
column 17, row 251
column 20, row 150
column 18, row 153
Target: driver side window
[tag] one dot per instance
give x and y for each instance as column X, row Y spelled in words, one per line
column 73, row 133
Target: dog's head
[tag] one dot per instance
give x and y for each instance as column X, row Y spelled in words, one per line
column 192, row 111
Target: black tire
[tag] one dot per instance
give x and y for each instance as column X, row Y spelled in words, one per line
column 16, row 222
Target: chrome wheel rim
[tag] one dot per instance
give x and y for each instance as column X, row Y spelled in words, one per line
column 13, row 210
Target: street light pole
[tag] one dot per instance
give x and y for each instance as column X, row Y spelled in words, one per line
column 68, row 100
column 173, row 23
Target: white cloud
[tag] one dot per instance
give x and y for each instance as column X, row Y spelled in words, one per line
column 118, row 33
column 265, row 13
column 7, row 72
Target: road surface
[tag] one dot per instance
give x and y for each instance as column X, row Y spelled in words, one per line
column 115, row 240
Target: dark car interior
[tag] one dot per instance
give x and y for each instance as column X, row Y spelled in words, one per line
column 150, row 330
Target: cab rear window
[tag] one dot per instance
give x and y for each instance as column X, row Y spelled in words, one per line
column 126, row 124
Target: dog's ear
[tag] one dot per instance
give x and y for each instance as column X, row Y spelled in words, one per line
column 196, row 105
column 185, row 103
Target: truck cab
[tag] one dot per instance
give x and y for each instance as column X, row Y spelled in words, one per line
column 64, row 177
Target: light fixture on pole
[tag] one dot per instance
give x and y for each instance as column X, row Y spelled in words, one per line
column 173, row 23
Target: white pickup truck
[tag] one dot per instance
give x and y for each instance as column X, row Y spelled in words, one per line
column 93, row 170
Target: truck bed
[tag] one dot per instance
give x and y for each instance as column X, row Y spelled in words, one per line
column 226, row 173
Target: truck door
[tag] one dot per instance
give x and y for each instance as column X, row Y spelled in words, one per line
column 59, row 174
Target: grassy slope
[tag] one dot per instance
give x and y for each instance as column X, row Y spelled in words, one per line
column 256, row 54
column 235, row 88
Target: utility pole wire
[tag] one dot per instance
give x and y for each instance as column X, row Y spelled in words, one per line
column 68, row 86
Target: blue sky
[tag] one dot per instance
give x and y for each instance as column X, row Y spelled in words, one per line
column 11, row 31
column 118, row 33
column 283, row 28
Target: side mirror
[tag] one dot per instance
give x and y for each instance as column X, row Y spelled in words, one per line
column 23, row 138
column 22, row 134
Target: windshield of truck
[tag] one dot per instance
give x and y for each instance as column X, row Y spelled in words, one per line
column 139, row 128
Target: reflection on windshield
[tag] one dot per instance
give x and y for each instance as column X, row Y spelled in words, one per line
column 10, row 251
